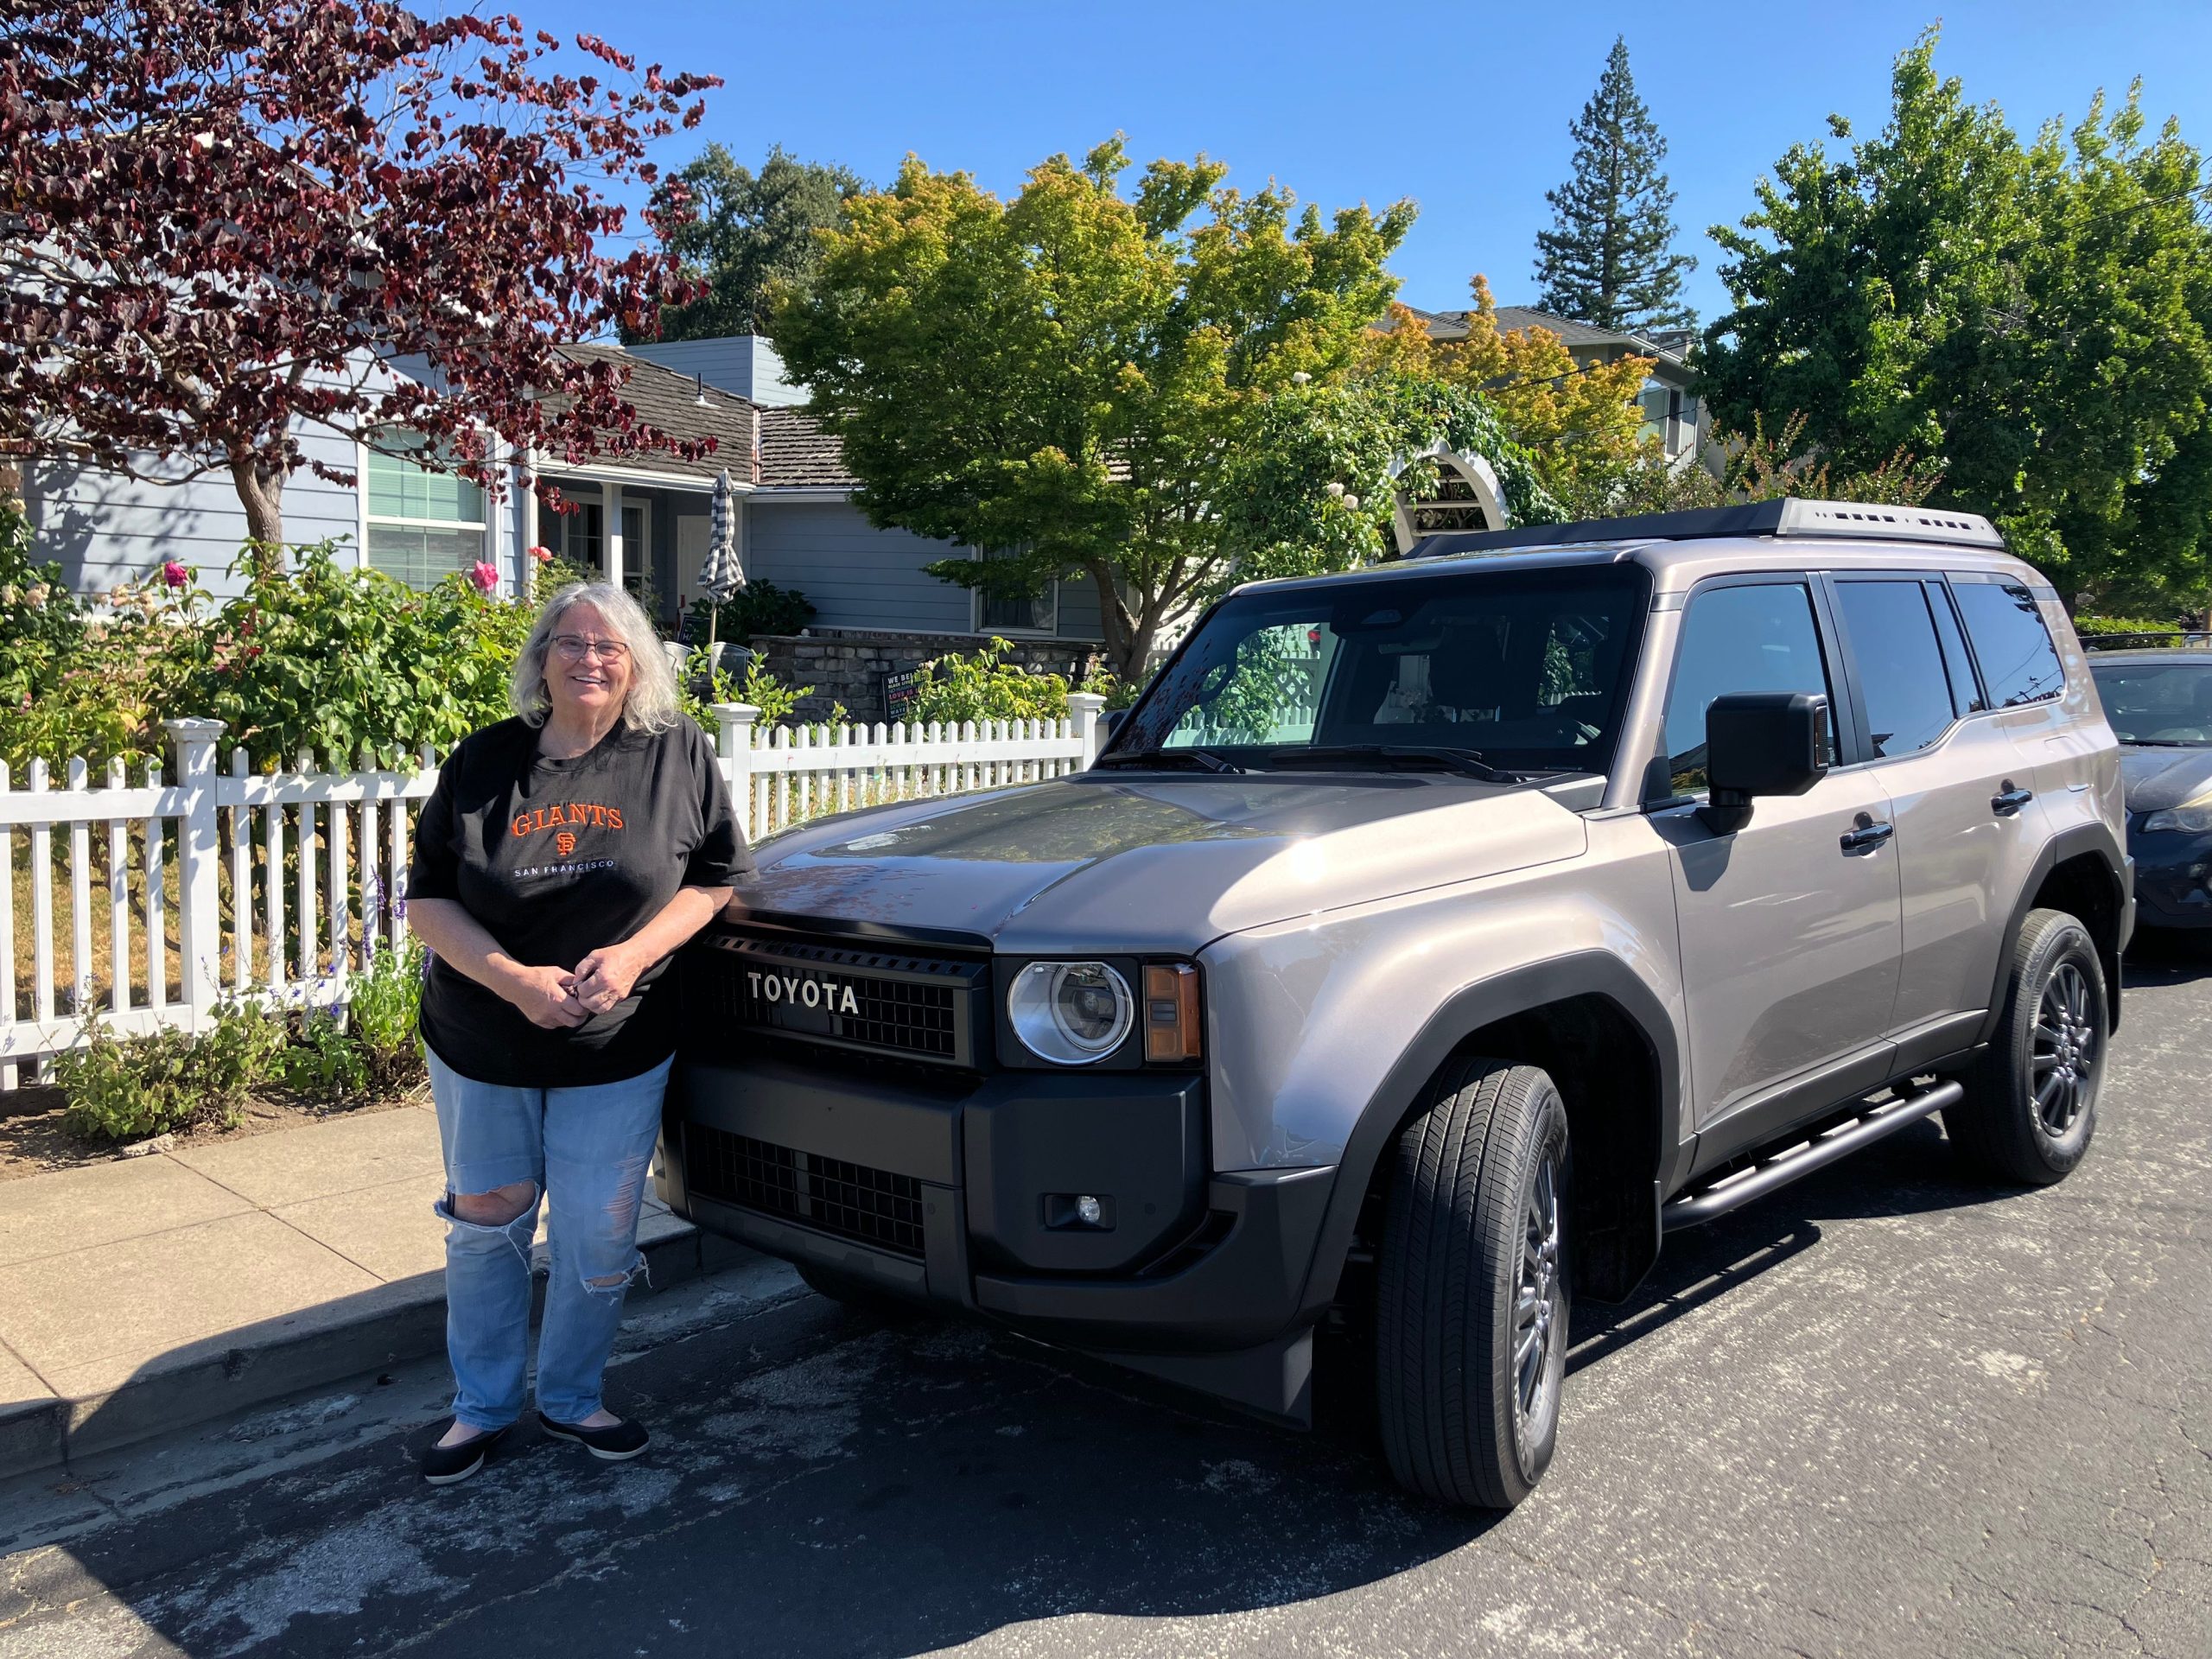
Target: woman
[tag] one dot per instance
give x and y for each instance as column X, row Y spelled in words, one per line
column 563, row 856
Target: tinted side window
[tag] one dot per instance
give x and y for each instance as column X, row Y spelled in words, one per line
column 1966, row 694
column 1900, row 665
column 1756, row 638
column 2019, row 664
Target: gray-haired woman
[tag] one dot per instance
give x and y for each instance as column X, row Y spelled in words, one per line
column 562, row 858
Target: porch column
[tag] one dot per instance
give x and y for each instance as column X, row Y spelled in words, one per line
column 611, row 493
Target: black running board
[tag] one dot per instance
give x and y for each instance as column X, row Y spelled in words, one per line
column 1732, row 1192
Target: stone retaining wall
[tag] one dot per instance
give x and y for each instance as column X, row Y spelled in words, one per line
column 849, row 667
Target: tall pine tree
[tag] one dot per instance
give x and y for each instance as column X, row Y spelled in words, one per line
column 1608, row 257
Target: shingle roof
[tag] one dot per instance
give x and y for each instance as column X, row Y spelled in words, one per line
column 797, row 454
column 669, row 403
column 1511, row 319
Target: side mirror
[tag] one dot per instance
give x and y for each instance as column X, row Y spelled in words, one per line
column 1761, row 743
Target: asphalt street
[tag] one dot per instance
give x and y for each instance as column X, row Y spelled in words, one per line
column 1883, row 1412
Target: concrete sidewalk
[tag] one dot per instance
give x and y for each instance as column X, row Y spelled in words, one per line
column 148, row 1293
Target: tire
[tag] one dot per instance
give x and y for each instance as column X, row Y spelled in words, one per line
column 1478, row 1203
column 2031, row 1105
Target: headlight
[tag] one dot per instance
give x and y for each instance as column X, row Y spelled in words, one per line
column 2194, row 819
column 1070, row 1013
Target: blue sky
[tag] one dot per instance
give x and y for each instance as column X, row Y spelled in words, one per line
column 1464, row 108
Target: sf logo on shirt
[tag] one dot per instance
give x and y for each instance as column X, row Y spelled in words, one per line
column 558, row 818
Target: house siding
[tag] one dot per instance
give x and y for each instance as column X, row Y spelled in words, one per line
column 106, row 528
column 743, row 363
column 855, row 575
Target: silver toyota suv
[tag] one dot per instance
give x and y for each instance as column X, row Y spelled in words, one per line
column 1427, row 942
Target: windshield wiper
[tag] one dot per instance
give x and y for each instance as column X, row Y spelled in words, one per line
column 1467, row 762
column 1204, row 759
column 2165, row 743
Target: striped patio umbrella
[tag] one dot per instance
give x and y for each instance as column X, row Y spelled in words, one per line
column 720, row 576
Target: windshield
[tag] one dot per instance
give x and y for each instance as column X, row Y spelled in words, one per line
column 2157, row 702
column 1527, row 670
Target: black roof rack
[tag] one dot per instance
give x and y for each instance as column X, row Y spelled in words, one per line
column 1790, row 515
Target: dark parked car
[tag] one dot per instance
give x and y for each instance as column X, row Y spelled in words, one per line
column 2159, row 703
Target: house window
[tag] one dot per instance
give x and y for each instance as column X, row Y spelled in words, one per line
column 1017, row 613
column 424, row 526
column 579, row 536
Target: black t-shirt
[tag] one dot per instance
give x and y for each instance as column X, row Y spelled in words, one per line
column 556, row 859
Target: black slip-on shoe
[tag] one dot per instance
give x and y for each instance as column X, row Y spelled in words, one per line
column 444, row 1464
column 616, row 1443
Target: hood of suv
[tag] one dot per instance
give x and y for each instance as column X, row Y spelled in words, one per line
column 1157, row 863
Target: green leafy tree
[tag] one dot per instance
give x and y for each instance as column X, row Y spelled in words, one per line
column 1609, row 257
column 1315, row 492
column 1071, row 378
column 749, row 230
column 2035, row 319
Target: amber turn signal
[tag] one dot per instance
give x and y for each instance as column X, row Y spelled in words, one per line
column 1171, row 1011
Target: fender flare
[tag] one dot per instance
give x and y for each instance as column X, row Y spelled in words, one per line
column 2069, row 843
column 1518, row 990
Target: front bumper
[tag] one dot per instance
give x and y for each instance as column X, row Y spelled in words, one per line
column 959, row 1190
column 2173, row 877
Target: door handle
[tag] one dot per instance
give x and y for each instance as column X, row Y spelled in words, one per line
column 1867, row 836
column 2010, row 801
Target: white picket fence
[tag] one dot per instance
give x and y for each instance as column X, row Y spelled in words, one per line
column 198, row 903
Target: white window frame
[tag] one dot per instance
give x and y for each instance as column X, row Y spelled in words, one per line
column 636, row 560
column 370, row 517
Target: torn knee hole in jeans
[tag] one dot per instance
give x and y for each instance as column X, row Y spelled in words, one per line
column 613, row 1284
column 516, row 1229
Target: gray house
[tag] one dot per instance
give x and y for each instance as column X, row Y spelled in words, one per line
column 1672, row 412
column 641, row 520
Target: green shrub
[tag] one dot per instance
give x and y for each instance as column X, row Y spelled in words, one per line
column 125, row 1088
column 2088, row 625
column 386, row 1001
column 80, row 679
column 980, row 687
column 323, row 1061
column 327, row 658
column 763, row 607
column 762, row 689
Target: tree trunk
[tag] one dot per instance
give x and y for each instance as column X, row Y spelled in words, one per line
column 1113, row 621
column 261, row 493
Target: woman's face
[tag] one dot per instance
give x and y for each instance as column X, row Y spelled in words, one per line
column 587, row 667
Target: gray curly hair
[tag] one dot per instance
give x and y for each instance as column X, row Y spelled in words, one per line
column 650, row 705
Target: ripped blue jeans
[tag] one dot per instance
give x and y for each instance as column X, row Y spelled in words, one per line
column 586, row 1153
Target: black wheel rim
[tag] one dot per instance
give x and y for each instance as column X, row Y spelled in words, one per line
column 1538, row 1311
column 2063, row 1069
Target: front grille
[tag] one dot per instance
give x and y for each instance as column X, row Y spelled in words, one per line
column 889, row 1002
column 851, row 1200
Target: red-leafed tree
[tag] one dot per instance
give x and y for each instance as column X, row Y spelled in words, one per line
column 219, row 221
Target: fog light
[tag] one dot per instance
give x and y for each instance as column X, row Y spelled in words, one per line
column 1089, row 1210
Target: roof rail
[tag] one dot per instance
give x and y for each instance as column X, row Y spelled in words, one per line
column 1790, row 515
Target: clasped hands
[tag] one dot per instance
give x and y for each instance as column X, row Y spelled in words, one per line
column 560, row 998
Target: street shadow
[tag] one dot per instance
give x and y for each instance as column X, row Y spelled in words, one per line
column 829, row 1482
column 834, row 1482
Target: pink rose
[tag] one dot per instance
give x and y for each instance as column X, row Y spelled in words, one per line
column 543, row 555
column 486, row 577
column 175, row 573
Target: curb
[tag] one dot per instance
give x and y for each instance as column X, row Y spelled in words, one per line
column 387, row 1327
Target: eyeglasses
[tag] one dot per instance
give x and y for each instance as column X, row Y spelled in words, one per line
column 574, row 647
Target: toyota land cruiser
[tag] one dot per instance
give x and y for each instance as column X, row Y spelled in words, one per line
column 1427, row 943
